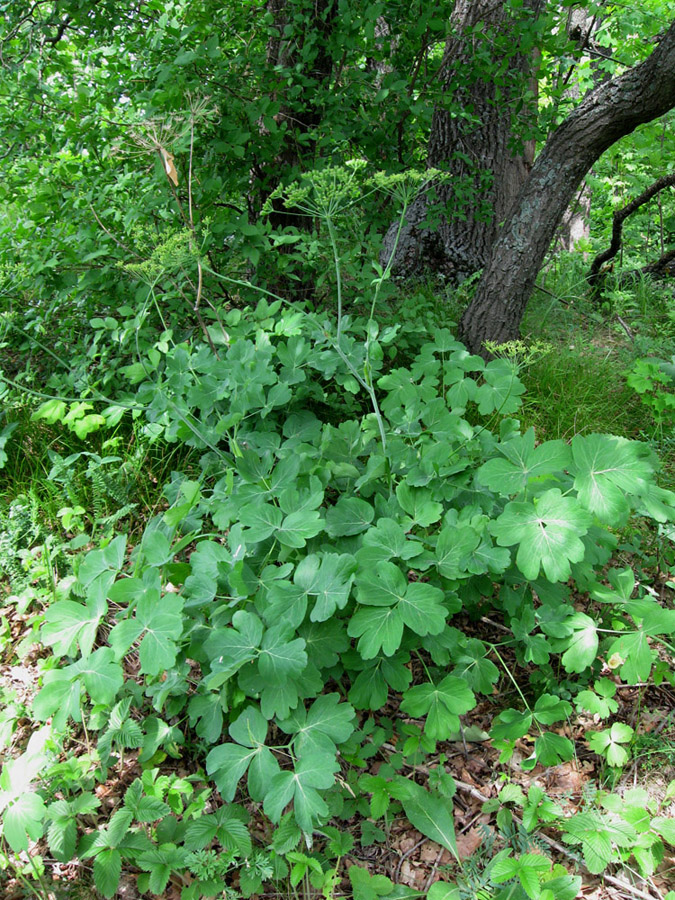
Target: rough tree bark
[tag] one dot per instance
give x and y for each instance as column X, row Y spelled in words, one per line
column 475, row 147
column 609, row 112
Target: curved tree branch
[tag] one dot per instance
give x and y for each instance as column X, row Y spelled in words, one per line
column 665, row 265
column 612, row 110
column 619, row 218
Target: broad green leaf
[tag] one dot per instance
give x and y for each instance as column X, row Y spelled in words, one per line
column 329, row 578
column 22, row 820
column 369, row 887
column 281, row 659
column 101, row 674
column 442, row 890
column 227, row 764
column 385, row 541
column 67, row 624
column 550, row 709
column 454, row 548
column 107, row 871
column 369, row 690
column 473, row 667
column 278, row 698
column 350, row 515
column 422, row 609
column 441, row 703
column 298, row 527
column 606, row 469
column 156, row 548
column 162, row 621
column 324, row 641
column 510, row 725
column 597, row 703
column 206, row 711
column 417, row 605
column 286, row 604
column 608, row 743
column 501, row 390
column 261, row 771
column 103, row 562
column 431, row 814
column 327, row 723
column 623, row 585
column 260, row 519
column 385, row 585
column 487, row 558
column 548, row 532
column 123, row 635
column 523, row 461
column 377, row 629
column 634, row 655
column 59, row 698
column 651, row 617
column 250, row 730
column 52, row 411
column 551, row 749
column 229, row 648
column 582, row 648
column 312, row 773
column 419, row 504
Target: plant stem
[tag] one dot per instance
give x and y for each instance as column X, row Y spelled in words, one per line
column 338, row 274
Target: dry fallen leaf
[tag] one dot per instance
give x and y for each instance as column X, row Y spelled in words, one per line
column 169, row 167
column 468, row 843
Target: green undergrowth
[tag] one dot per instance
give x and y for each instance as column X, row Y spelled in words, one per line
column 82, row 483
column 578, row 392
column 268, row 673
column 610, row 362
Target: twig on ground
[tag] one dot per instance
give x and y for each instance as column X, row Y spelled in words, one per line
column 619, row 883
column 434, row 869
column 410, row 852
column 625, row 327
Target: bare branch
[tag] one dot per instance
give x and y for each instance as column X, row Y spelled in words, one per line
column 619, row 218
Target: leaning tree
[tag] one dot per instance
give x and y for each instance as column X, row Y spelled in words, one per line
column 486, row 80
column 609, row 112
column 501, row 209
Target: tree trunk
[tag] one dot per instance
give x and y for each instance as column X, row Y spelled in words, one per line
column 582, row 27
column 477, row 149
column 575, row 225
column 302, row 55
column 609, row 112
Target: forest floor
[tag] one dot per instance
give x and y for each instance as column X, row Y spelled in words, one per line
column 399, row 851
column 577, row 388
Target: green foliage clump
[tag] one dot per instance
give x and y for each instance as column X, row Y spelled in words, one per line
column 321, row 559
